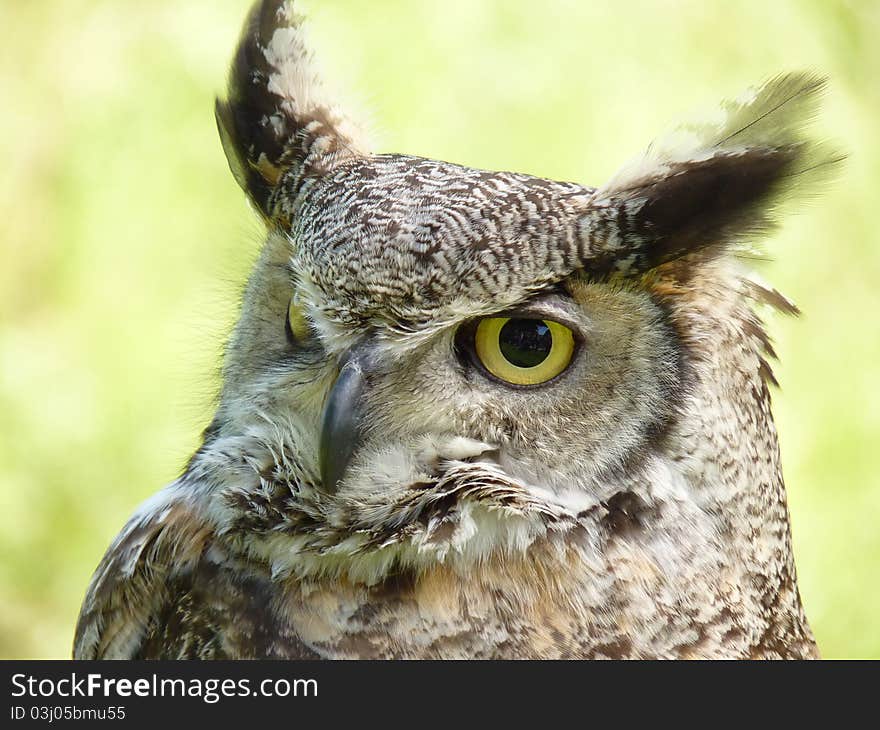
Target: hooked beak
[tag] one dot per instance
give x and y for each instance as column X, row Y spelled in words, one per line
column 341, row 424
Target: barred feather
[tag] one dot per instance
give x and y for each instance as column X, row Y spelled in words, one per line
column 711, row 184
column 278, row 117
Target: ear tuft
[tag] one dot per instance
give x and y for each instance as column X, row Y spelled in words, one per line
column 712, row 184
column 278, row 120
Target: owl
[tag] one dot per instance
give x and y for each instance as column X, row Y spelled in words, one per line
column 475, row 414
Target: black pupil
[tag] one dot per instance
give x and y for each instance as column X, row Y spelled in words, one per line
column 525, row 342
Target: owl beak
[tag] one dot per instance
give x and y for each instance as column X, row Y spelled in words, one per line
column 340, row 428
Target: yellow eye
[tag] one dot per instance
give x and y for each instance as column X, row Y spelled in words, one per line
column 297, row 323
column 523, row 351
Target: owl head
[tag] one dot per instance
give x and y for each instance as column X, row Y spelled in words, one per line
column 440, row 363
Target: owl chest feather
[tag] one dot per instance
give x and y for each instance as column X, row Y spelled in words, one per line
column 629, row 594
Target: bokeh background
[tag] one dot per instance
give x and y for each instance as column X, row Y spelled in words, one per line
column 124, row 240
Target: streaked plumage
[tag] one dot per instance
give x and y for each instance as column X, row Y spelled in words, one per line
column 366, row 490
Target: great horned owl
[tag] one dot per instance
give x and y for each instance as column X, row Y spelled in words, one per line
column 478, row 414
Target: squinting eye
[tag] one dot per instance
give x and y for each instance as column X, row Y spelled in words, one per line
column 523, row 351
column 297, row 324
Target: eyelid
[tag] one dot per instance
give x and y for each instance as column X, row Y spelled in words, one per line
column 546, row 310
column 297, row 322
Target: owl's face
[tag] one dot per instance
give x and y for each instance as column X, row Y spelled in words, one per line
column 430, row 355
column 402, row 338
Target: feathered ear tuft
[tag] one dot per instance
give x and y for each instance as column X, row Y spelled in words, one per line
column 278, row 121
column 710, row 185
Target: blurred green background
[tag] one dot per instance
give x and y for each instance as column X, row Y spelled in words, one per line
column 124, row 240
